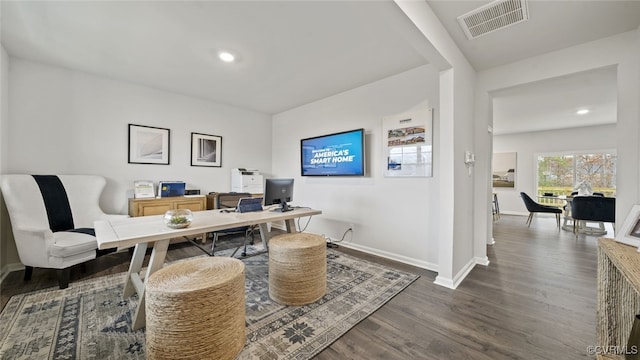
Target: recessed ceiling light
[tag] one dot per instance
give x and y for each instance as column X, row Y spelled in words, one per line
column 582, row 111
column 226, row 56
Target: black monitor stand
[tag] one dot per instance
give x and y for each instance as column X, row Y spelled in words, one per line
column 284, row 207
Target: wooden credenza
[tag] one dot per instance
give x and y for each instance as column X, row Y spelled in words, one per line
column 618, row 294
column 159, row 206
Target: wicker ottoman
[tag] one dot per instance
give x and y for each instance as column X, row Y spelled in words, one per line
column 297, row 268
column 196, row 310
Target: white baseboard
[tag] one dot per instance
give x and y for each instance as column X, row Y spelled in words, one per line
column 484, row 261
column 392, row 256
column 457, row 279
column 518, row 213
column 9, row 269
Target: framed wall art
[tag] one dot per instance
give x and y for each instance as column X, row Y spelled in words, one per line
column 407, row 141
column 206, row 150
column 503, row 170
column 630, row 231
column 148, row 145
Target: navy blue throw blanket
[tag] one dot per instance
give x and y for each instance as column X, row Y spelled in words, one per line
column 56, row 202
column 58, row 209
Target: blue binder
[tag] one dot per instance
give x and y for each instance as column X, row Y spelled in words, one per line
column 171, row 188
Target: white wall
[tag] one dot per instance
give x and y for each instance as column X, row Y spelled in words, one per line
column 7, row 249
column 393, row 217
column 621, row 51
column 64, row 121
column 459, row 246
column 528, row 145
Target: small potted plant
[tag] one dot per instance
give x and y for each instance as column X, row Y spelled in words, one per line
column 178, row 219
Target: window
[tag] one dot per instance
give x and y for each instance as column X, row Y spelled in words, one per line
column 560, row 173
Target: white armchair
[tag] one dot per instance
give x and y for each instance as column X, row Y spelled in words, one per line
column 52, row 219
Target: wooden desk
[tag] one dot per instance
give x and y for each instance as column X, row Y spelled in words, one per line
column 140, row 231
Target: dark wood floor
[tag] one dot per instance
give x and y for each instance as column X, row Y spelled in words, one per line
column 536, row 300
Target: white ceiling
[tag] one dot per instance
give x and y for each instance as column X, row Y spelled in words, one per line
column 295, row 52
column 552, row 25
column 289, row 53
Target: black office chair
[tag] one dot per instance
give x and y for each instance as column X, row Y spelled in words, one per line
column 230, row 201
column 534, row 207
column 592, row 208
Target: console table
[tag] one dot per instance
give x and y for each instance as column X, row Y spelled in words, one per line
column 158, row 206
column 140, row 231
column 618, row 294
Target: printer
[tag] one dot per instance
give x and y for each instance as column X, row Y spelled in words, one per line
column 246, row 181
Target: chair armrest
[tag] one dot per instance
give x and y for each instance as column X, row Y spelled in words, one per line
column 33, row 246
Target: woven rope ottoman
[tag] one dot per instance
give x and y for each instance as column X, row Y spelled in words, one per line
column 297, row 268
column 196, row 310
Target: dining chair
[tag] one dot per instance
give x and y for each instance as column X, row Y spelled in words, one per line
column 534, row 207
column 592, row 208
column 496, row 207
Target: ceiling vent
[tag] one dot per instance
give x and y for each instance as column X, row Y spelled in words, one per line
column 494, row 16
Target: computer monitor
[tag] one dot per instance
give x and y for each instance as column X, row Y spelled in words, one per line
column 278, row 191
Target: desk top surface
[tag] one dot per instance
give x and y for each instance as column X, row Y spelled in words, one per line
column 126, row 232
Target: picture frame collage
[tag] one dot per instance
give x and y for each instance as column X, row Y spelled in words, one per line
column 152, row 145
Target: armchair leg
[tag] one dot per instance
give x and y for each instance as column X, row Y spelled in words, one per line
column 529, row 219
column 28, row 271
column 558, row 221
column 63, row 277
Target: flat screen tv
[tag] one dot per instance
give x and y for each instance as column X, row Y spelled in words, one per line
column 338, row 154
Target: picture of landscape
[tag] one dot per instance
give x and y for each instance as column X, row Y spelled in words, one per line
column 406, row 136
column 504, row 170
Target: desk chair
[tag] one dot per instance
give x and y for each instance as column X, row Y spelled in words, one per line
column 533, row 207
column 229, row 201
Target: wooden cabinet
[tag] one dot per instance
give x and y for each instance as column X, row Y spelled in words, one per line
column 618, row 294
column 159, row 206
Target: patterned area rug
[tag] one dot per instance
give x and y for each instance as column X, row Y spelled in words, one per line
column 90, row 320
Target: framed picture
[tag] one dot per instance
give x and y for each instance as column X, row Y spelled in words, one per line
column 503, row 168
column 407, row 141
column 630, row 232
column 206, row 150
column 148, row 145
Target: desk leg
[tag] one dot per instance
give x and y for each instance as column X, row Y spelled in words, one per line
column 264, row 235
column 155, row 263
column 291, row 225
column 134, row 268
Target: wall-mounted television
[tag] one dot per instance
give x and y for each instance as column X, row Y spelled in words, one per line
column 338, row 154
